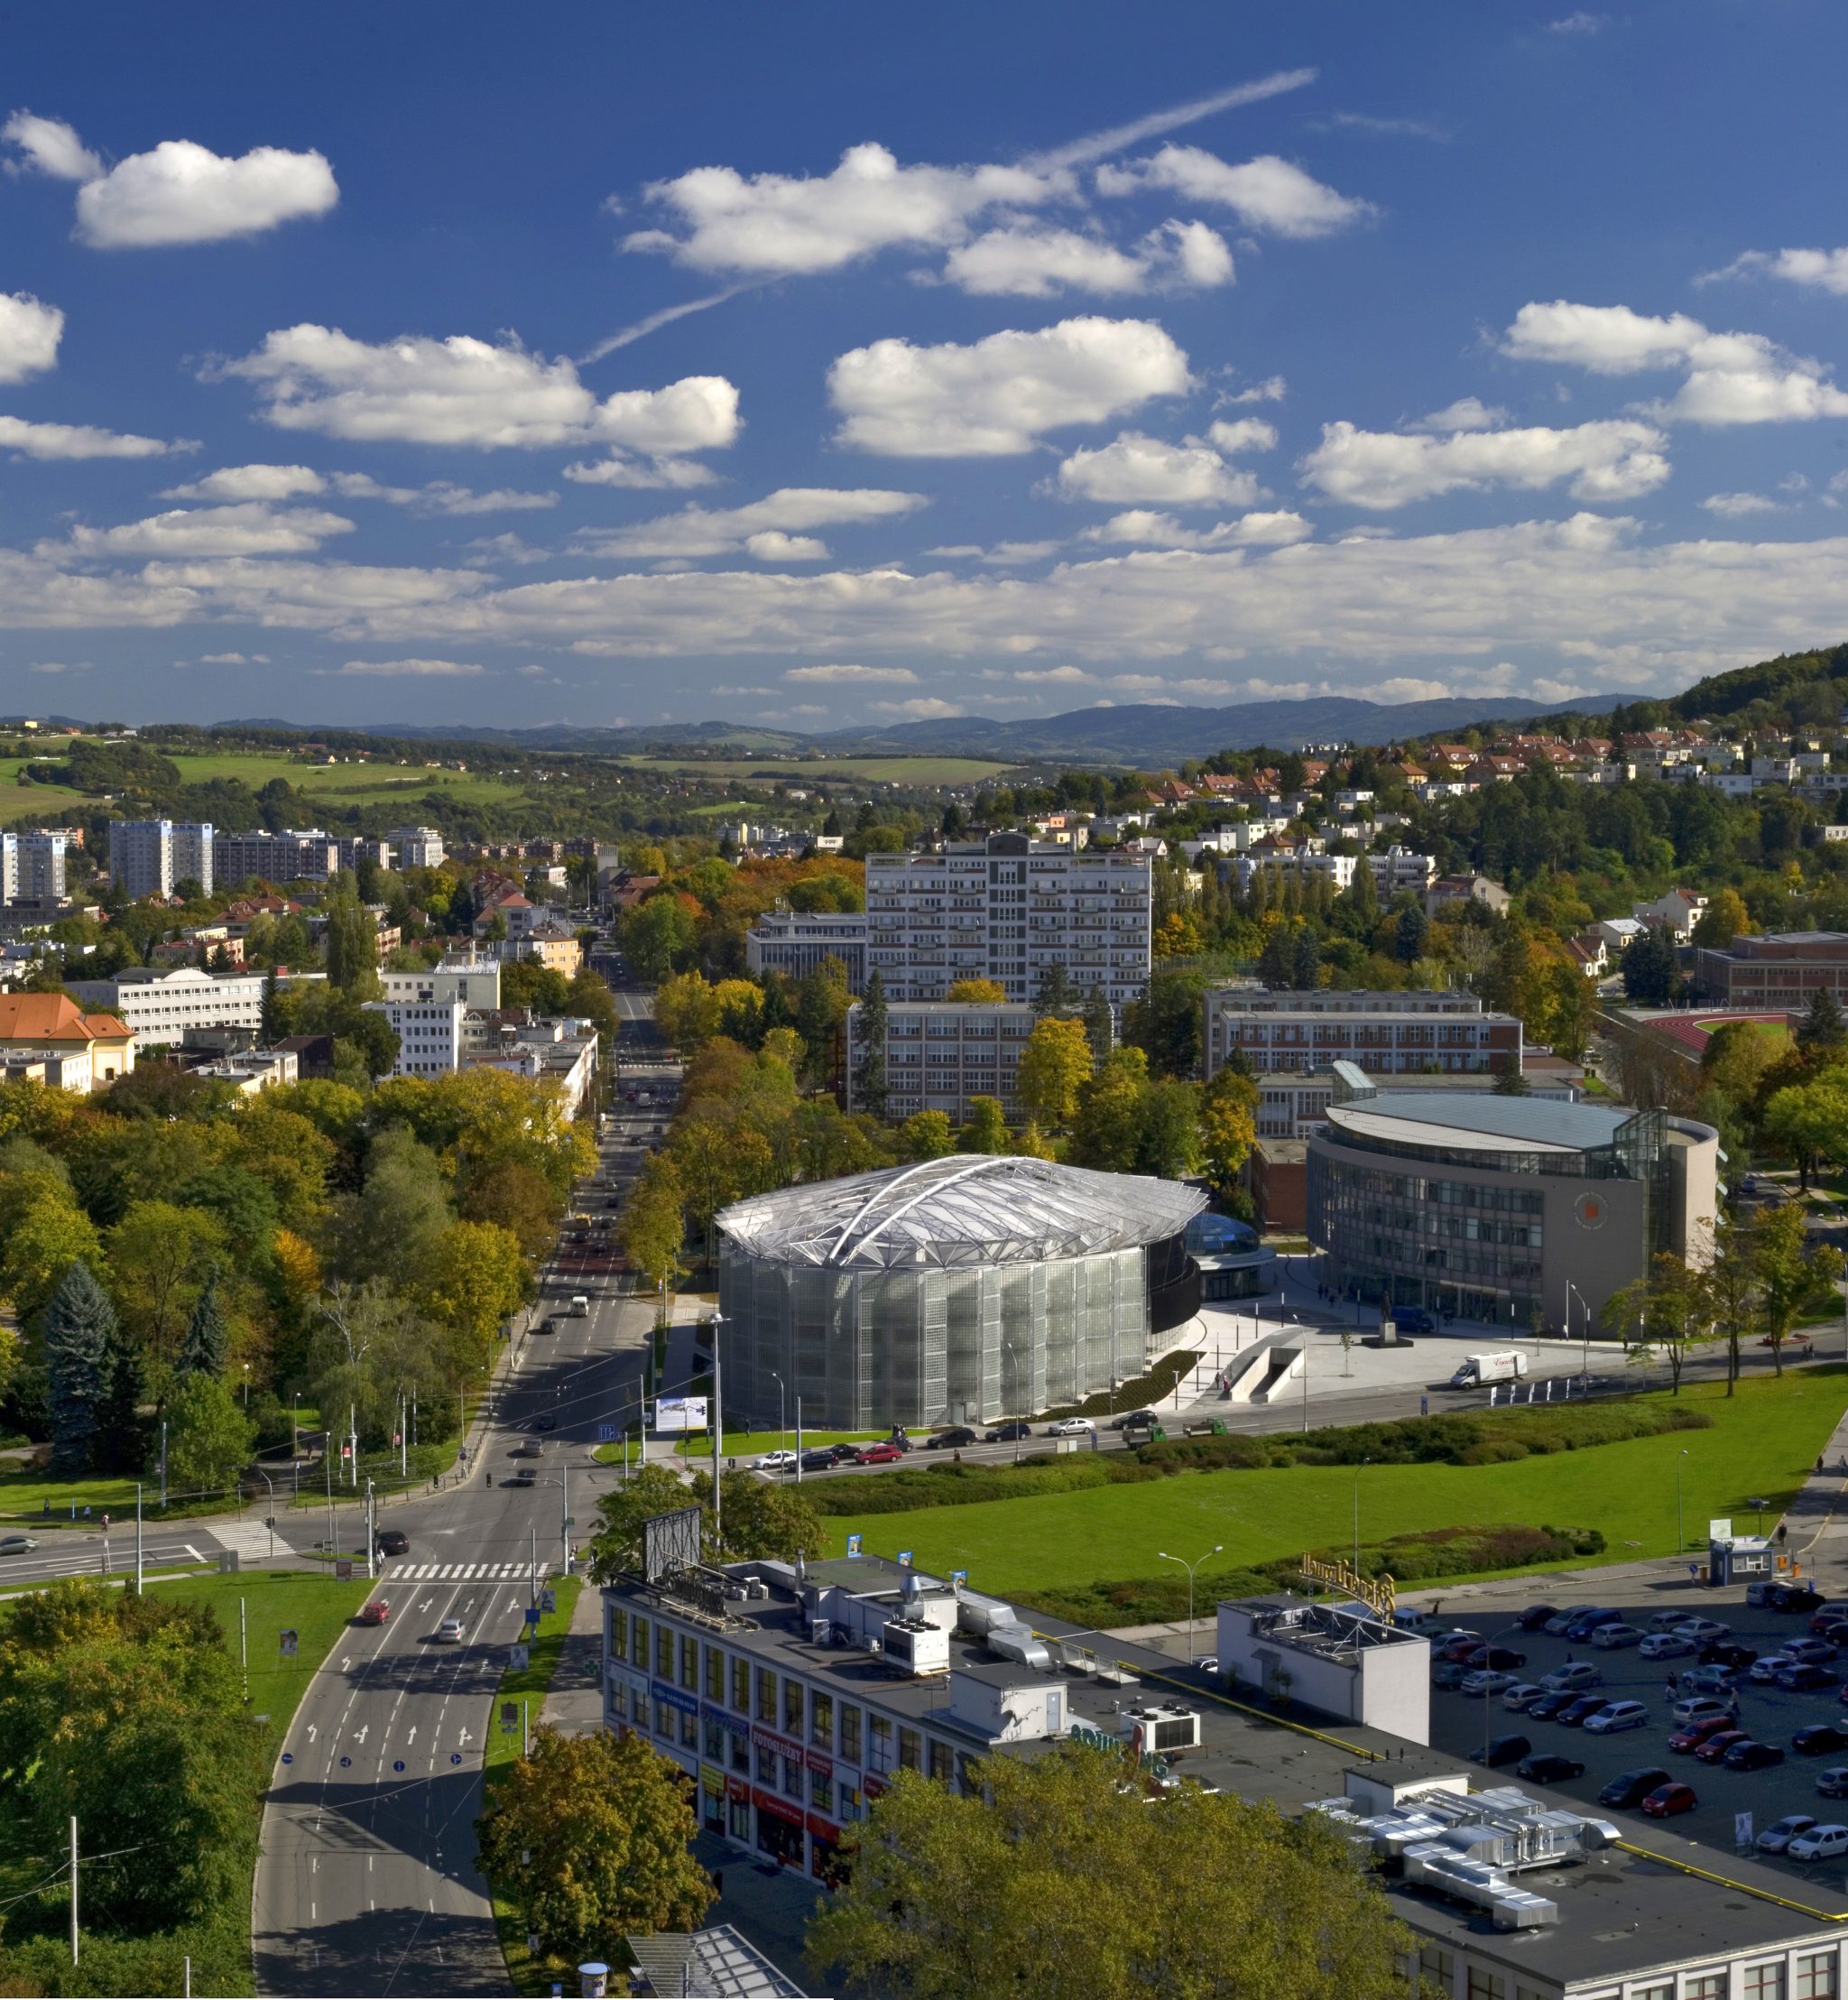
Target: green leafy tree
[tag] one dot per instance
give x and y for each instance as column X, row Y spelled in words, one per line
column 1100, row 1022
column 1062, row 1877
column 43, row 1232
column 588, row 1839
column 1651, row 970
column 1667, row 1313
column 1165, row 1022
column 1107, row 1126
column 927, row 1135
column 658, row 937
column 210, row 1439
column 121, row 1441
column 79, row 1324
column 653, row 1223
column 1822, row 1031
column 870, row 1087
column 758, row 1518
column 1055, row 992
column 985, row 1128
column 1795, row 1277
column 352, row 947
column 1228, row 1118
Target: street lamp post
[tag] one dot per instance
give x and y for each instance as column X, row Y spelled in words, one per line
column 1357, row 1514
column 782, row 1433
column 1571, row 1291
column 1486, row 1685
column 271, row 1486
column 1680, row 1534
column 1190, row 1566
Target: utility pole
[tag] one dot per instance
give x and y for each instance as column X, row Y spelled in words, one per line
column 535, row 1565
column 799, row 1440
column 73, row 1888
column 353, row 1446
column 564, row 1519
column 719, row 1425
column 243, row 1648
column 371, row 1532
column 163, row 1464
column 327, row 1467
column 403, row 1437
column 137, row 1538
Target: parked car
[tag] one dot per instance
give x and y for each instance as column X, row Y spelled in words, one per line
column 1805, row 1678
column 1794, row 1596
column 1006, row 1434
column 393, row 1541
column 776, row 1461
column 1459, row 1646
column 1704, row 1631
column 1536, row 1615
column 1692, row 1734
column 1729, row 1653
column 1413, row 1320
column 1588, row 1621
column 1448, row 1673
column 1713, row 1681
column 1611, row 1638
column 822, row 1459
column 1780, row 1833
column 1135, row 1416
column 1500, row 1750
column 1575, row 1673
column 1071, row 1427
column 451, row 1632
column 1563, row 1617
column 1826, row 1615
column 1522, row 1695
column 1666, row 1800
column 16, row 1545
column 1669, row 1621
column 1758, row 1594
column 375, row 1613
column 1831, row 1782
column 952, row 1439
column 545, row 1422
column 1549, row 1768
column 1548, row 1704
column 1767, row 1669
column 1717, row 1745
column 1630, row 1788
column 1819, row 1739
column 1576, row 1712
column 1823, row 1843
column 1665, row 1645
column 1615, row 1716
column 1811, row 1648
column 1753, row 1756
column 1487, row 1681
column 1494, row 1656
column 884, row 1453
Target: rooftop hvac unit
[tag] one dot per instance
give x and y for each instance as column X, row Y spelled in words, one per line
column 1165, row 1726
column 756, row 1589
column 820, row 1631
column 917, row 1645
column 1014, row 1642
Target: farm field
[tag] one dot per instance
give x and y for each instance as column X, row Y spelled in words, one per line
column 1760, row 1446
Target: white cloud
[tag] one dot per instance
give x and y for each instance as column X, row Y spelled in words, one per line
column 1732, row 507
column 1099, row 145
column 1003, row 555
column 58, row 666
column 245, row 528
column 182, row 192
column 1732, row 377
column 434, row 669
column 467, row 392
column 1150, row 530
column 80, row 441
column 1467, row 413
column 773, row 545
column 921, row 709
column 1824, row 270
column 250, row 482
column 49, row 146
column 1067, row 675
column 777, row 225
column 1379, row 128
column 1032, row 263
column 995, row 397
column 1612, row 460
column 30, row 332
column 844, row 676
column 714, row 531
column 1244, row 434
column 1581, row 23
column 441, row 496
column 1264, row 193
column 1133, row 467
column 621, row 470
column 1272, row 389
column 233, row 659
column 505, row 548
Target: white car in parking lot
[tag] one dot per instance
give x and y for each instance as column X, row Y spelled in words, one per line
column 1609, row 1638
column 1576, row 1674
column 1697, row 1707
column 1669, row 1621
column 1767, row 1669
column 1615, row 1716
column 1777, row 1837
column 1488, row 1680
column 1823, row 1843
column 1666, row 1645
column 1071, row 1427
column 1704, row 1631
column 1523, row 1691
column 775, row 1461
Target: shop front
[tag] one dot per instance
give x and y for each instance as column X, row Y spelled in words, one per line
column 712, row 1799
column 824, row 1840
column 780, row 1829
column 738, row 1810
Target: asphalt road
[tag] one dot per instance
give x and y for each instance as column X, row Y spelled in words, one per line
column 90, row 1552
column 366, row 1883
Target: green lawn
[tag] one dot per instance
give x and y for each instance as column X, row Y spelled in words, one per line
column 311, row 1603
column 1762, row 1444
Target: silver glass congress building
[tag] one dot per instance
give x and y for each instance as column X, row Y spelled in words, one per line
column 956, row 1291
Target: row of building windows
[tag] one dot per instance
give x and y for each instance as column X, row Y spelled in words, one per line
column 1815, row 1976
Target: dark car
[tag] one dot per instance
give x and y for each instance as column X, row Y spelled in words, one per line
column 1136, row 1417
column 1668, row 1800
column 822, row 1460
column 394, row 1542
column 1630, row 1788
column 1804, row 1677
column 1498, row 1658
column 1413, row 1320
column 525, row 1476
column 952, row 1439
column 1550, row 1705
column 1819, row 1740
column 1727, row 1653
column 1588, row 1621
column 1546, row 1768
column 1576, row 1710
column 1536, row 1615
column 1006, row 1434
column 546, row 1423
column 1714, row 1750
column 1501, row 1750
column 1794, row 1596
column 1460, row 1648
column 1751, row 1755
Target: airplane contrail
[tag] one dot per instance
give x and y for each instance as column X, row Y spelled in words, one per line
column 665, row 317
column 1099, row 144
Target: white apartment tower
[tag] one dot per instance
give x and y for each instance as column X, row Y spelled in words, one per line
column 294, row 855
column 31, row 867
column 148, row 858
column 1007, row 909
column 417, row 847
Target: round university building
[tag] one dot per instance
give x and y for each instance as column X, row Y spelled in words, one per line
column 954, row 1292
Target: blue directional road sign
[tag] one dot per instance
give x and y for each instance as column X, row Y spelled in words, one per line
column 532, row 1613
column 398, row 1763
column 345, row 1763
column 605, row 1433
column 288, row 1756
column 454, row 1757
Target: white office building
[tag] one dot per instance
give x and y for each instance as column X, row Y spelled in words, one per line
column 417, row 847
column 353, row 851
column 429, row 1034
column 795, row 943
column 149, row 858
column 160, row 1005
column 464, row 977
column 1007, row 909
column 306, row 854
column 1382, row 1033
column 940, row 1053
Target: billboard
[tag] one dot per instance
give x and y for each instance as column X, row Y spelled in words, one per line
column 670, row 1542
column 680, row 1414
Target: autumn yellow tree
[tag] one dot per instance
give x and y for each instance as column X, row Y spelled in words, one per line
column 1055, row 1065
column 473, row 1277
column 1228, row 1125
column 977, row 993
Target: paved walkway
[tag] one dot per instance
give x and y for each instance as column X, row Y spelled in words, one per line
column 769, row 1905
column 574, row 1701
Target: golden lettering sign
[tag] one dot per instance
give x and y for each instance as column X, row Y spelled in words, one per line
column 1378, row 1593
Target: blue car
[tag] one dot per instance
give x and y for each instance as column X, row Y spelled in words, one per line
column 1413, row 1320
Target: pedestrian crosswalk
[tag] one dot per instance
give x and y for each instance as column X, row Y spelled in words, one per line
column 456, row 1572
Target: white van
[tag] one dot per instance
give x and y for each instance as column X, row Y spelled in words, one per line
column 580, row 1306
column 1478, row 1370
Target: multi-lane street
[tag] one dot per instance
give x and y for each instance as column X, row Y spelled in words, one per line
column 367, row 1882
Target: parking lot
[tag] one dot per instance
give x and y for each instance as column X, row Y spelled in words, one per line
column 1766, row 1713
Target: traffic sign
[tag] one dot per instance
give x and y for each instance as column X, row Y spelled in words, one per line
column 532, row 1613
column 454, row 1757
column 398, row 1763
column 345, row 1763
column 288, row 1756
column 605, row 1433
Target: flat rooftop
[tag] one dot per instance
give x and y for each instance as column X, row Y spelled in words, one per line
column 1483, row 1124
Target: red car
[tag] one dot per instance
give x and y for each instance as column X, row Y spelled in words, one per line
column 1460, row 1648
column 878, row 1455
column 1717, row 1745
column 1696, row 1733
column 1666, row 1800
column 375, row 1612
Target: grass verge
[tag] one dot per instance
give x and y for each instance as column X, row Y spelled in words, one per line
column 531, row 1972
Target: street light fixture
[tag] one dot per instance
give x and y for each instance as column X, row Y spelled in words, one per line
column 1490, row 1643
column 1571, row 1291
column 783, row 1433
column 1357, row 1514
column 1217, row 1549
column 1680, row 1535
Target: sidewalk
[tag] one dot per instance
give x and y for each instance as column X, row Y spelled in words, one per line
column 574, row 1702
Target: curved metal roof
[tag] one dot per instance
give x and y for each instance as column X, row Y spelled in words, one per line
column 1482, row 1123
column 968, row 1208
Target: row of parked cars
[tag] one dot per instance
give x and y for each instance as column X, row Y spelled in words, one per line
column 889, row 1450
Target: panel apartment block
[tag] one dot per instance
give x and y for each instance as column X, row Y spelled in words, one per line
column 32, row 867
column 1382, row 1033
column 940, row 1053
column 1007, row 909
column 161, row 1005
column 150, row 858
column 294, row 855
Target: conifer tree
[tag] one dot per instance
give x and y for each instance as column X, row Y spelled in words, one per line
column 79, row 1324
column 208, row 1343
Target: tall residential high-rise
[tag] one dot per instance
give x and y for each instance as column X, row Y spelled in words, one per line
column 31, row 867
column 1008, row 908
column 150, row 858
column 417, row 847
column 294, row 855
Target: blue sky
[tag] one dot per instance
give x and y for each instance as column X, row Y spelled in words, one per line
column 837, row 365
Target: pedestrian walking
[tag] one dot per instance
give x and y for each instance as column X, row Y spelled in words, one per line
column 1671, row 1687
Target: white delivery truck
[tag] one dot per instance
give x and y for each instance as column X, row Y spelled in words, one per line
column 1478, row 1370
column 580, row 1306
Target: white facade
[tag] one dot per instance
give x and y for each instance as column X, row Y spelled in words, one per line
column 1007, row 909
column 31, row 867
column 429, row 1034
column 352, row 852
column 1340, row 1658
column 160, row 1006
column 1382, row 1033
column 473, row 981
column 296, row 855
column 1680, row 911
column 796, row 942
column 149, row 858
column 417, row 847
column 940, row 1053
